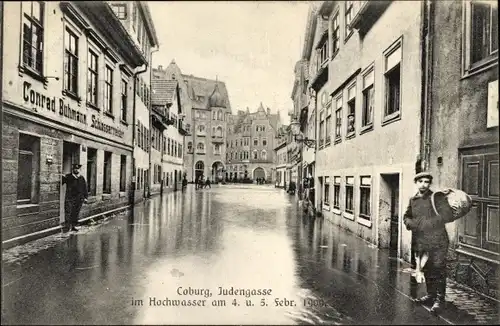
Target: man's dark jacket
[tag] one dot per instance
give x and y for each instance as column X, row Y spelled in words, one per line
column 428, row 227
column 76, row 188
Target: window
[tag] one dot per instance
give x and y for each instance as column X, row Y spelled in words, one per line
column 33, row 12
column 328, row 121
column 335, row 33
column 134, row 15
column 92, row 78
column 120, row 10
column 201, row 128
column 217, row 149
column 180, row 150
column 368, row 99
column 255, row 142
column 484, row 30
column 349, row 194
column 190, row 146
column 336, row 192
column 264, row 142
column 338, row 118
column 106, row 184
column 219, row 115
column 108, row 91
column 323, row 53
column 255, row 155
column 351, row 110
column 71, row 63
column 392, row 83
column 200, row 147
column 91, row 171
column 123, row 172
column 350, row 12
column 214, row 115
column 263, row 155
column 218, row 133
column 365, row 198
column 326, row 193
column 124, row 101
column 321, row 128
column 28, row 169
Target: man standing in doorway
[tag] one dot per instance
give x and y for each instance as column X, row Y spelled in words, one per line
column 430, row 238
column 76, row 195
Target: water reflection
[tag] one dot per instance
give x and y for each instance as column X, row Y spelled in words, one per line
column 222, row 237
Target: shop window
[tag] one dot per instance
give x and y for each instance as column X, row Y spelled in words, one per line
column 106, row 184
column 349, row 195
column 91, row 171
column 336, row 192
column 365, row 198
column 123, row 172
column 33, row 16
column 71, row 63
column 28, row 170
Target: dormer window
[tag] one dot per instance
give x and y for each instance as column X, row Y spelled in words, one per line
column 120, row 10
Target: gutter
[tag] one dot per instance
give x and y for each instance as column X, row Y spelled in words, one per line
column 134, row 117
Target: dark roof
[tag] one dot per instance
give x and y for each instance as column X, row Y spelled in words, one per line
column 163, row 91
column 203, row 88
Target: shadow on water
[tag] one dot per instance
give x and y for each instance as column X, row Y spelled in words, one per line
column 241, row 237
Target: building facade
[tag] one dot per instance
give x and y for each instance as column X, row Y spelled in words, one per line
column 282, row 140
column 136, row 19
column 168, row 131
column 366, row 98
column 67, row 98
column 462, row 131
column 250, row 145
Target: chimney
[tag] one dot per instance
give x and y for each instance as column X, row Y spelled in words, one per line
column 160, row 67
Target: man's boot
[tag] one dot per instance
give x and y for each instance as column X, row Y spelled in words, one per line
column 440, row 298
column 431, row 293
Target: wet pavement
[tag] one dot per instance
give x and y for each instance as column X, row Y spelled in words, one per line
column 165, row 263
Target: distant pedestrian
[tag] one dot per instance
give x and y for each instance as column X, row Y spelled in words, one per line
column 184, row 183
column 76, row 195
column 431, row 239
column 207, row 183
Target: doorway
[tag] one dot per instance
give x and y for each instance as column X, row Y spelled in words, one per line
column 389, row 225
column 71, row 155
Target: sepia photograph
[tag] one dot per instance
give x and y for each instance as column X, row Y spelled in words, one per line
column 250, row 162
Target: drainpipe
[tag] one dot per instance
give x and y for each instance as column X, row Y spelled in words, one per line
column 154, row 49
column 426, row 46
column 134, row 116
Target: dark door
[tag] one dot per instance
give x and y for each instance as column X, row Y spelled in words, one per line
column 393, row 181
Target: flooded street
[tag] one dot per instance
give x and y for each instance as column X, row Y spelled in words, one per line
column 166, row 263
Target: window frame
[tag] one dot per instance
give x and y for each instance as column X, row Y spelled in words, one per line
column 123, row 100
column 326, row 193
column 351, row 100
column 349, row 212
column 335, row 32
column 72, row 57
column 363, row 218
column 337, row 183
column 108, row 91
column 396, row 115
column 338, row 118
column 35, row 154
column 93, row 75
column 107, row 182
column 367, row 88
column 25, row 67
column 468, row 67
column 117, row 13
column 328, row 118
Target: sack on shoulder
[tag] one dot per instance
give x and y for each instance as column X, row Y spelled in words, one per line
column 458, row 200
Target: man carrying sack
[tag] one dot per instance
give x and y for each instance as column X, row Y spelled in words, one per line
column 431, row 238
column 76, row 195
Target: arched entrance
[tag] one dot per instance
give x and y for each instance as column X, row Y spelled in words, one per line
column 259, row 173
column 199, row 169
column 217, row 170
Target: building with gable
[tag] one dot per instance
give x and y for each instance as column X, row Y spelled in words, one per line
column 250, row 145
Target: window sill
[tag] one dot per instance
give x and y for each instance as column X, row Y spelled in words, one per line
column 366, row 129
column 110, row 115
column 364, row 221
column 393, row 117
column 26, row 209
column 348, row 36
column 106, row 196
column 32, row 73
column 337, row 211
column 326, row 207
column 335, row 54
column 481, row 67
column 90, row 105
column 72, row 95
column 348, row 216
column 351, row 135
column 91, row 199
column 338, row 141
column 122, row 194
column 125, row 123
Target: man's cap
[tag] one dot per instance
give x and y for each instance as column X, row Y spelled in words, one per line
column 76, row 166
column 422, row 175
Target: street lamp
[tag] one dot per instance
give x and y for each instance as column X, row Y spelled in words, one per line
column 299, row 136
